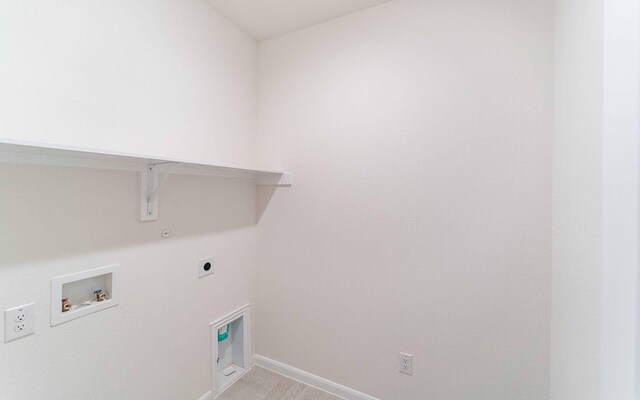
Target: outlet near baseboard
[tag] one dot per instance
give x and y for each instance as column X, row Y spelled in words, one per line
column 406, row 363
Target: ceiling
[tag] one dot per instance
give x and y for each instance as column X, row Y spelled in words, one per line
column 264, row 19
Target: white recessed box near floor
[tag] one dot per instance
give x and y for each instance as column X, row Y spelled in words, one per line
column 80, row 289
column 231, row 351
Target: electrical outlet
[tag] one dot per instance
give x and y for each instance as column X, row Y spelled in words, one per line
column 19, row 322
column 406, row 363
column 206, row 266
column 19, row 316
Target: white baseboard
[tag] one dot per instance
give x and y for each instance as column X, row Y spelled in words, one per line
column 309, row 379
column 206, row 396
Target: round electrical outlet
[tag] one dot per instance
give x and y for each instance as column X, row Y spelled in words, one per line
column 206, row 266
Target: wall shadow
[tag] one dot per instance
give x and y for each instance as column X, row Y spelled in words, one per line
column 48, row 213
column 264, row 195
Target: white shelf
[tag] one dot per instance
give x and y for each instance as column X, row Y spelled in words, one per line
column 152, row 169
column 15, row 151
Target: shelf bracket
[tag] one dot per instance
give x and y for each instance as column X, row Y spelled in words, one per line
column 152, row 177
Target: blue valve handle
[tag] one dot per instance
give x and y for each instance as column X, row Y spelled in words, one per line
column 223, row 336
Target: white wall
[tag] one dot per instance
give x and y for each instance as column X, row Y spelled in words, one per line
column 577, row 201
column 163, row 77
column 420, row 221
column 156, row 343
column 160, row 77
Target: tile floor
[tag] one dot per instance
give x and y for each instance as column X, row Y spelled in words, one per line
column 262, row 384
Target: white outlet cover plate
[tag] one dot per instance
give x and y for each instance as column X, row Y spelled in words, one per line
column 19, row 322
column 201, row 263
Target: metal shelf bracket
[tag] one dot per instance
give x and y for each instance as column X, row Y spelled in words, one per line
column 152, row 177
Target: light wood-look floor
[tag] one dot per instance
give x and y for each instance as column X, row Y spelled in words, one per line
column 262, row 384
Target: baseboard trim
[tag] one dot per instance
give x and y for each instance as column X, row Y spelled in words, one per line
column 207, row 396
column 309, row 379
